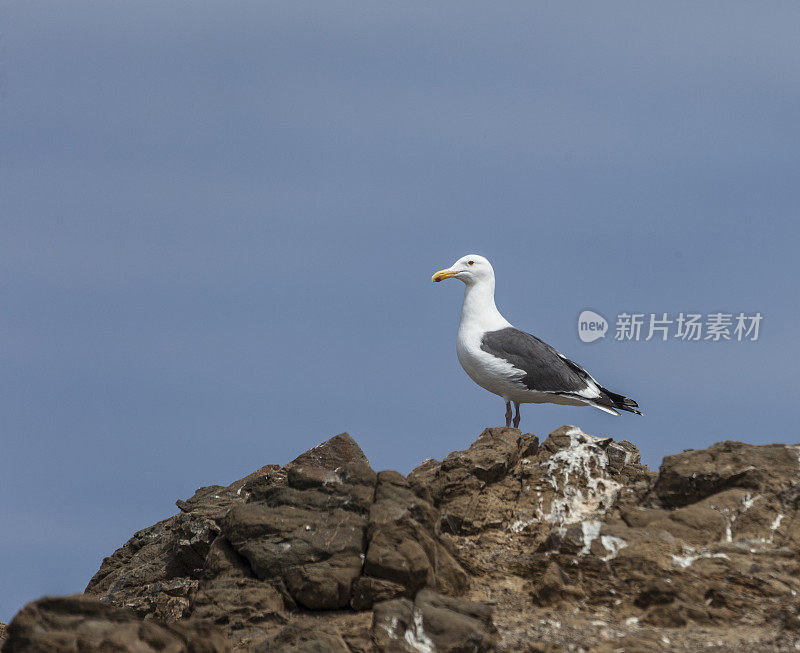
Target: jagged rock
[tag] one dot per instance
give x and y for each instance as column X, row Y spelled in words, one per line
column 583, row 525
column 454, row 483
column 323, row 532
column 79, row 623
column 403, row 547
column 335, row 452
column 690, row 476
column 433, row 622
column 572, row 542
column 157, row 570
column 534, row 487
column 310, row 536
column 162, row 569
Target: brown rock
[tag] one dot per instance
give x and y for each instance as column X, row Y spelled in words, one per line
column 433, row 622
column 309, row 533
column 555, row 588
column 574, row 543
column 222, row 561
column 238, row 604
column 331, row 454
column 157, row 569
column 295, row 638
column 690, row 476
column 656, row 593
column 367, row 591
column 312, row 538
column 695, row 524
column 403, row 547
column 81, row 623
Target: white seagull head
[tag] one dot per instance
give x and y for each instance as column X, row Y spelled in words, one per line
column 471, row 269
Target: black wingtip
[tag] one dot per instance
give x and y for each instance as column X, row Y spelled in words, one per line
column 631, row 406
column 629, row 409
column 623, row 403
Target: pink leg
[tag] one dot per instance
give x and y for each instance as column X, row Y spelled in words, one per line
column 516, row 417
column 508, row 414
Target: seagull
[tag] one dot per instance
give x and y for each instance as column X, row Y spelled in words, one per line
column 514, row 364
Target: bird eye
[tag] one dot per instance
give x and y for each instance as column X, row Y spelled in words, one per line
column 470, row 262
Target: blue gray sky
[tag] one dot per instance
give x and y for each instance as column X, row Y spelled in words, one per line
column 220, row 221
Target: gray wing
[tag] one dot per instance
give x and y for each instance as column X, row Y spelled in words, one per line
column 548, row 371
column 545, row 369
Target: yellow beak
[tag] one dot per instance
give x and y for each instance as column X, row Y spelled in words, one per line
column 441, row 275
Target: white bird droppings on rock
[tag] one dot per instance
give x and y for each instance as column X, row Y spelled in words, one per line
column 591, row 530
column 416, row 637
column 612, row 545
column 584, row 458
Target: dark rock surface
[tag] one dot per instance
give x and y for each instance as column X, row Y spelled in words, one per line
column 510, row 545
column 83, row 624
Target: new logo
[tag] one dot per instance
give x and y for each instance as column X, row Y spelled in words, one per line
column 591, row 326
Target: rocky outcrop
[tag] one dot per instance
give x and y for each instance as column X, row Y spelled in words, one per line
column 80, row 623
column 576, row 531
column 323, row 533
column 510, row 545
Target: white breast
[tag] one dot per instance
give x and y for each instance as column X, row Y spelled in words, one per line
column 494, row 374
column 497, row 375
